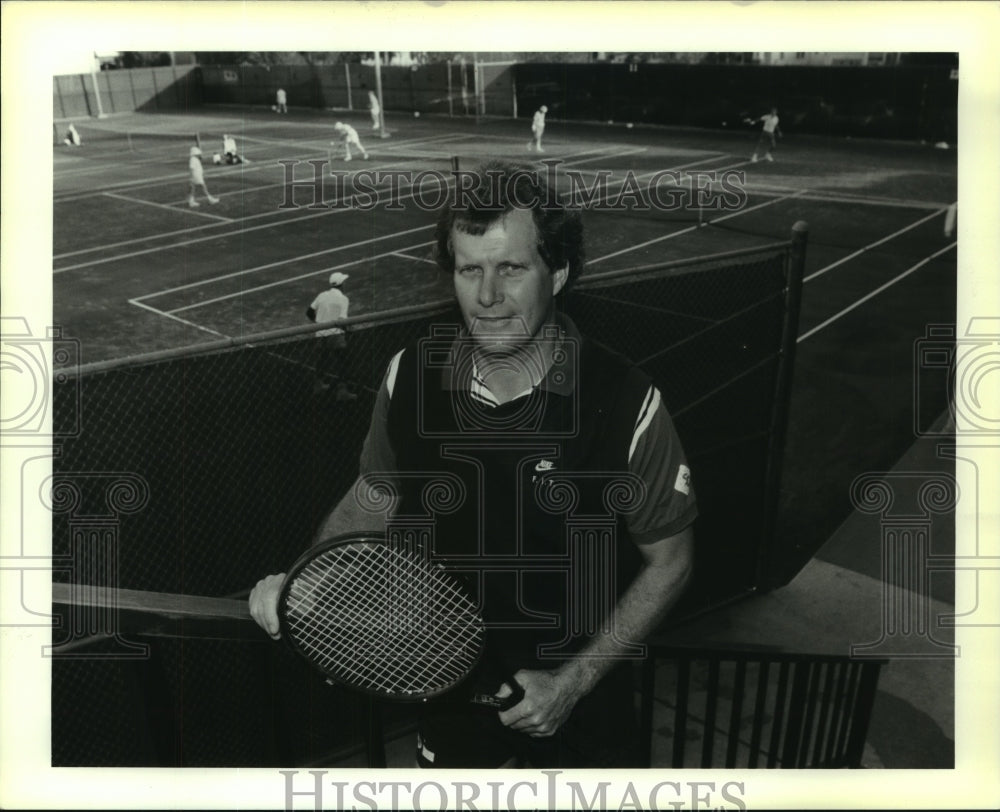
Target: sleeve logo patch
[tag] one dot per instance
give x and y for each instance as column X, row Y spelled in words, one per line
column 683, row 481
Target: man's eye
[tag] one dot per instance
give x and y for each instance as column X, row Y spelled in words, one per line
column 470, row 270
column 512, row 270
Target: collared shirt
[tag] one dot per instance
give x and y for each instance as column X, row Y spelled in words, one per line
column 197, row 172
column 331, row 305
column 655, row 453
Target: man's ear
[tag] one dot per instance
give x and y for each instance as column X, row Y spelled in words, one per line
column 559, row 278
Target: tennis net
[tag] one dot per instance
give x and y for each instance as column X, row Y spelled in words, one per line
column 135, row 141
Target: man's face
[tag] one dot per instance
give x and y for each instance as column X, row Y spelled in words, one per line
column 503, row 286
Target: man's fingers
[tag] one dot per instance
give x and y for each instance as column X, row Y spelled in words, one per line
column 264, row 604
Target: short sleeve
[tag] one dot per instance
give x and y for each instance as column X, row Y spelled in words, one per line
column 377, row 453
column 657, row 457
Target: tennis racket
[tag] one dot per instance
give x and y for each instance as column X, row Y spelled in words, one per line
column 379, row 618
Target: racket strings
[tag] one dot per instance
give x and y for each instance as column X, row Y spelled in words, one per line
column 408, row 649
column 379, row 619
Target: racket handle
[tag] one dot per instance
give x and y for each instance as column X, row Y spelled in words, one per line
column 501, row 704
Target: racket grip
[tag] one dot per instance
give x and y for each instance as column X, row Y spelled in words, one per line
column 501, row 703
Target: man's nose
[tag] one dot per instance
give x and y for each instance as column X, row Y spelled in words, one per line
column 490, row 289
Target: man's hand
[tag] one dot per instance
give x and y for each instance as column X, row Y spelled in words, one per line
column 548, row 701
column 264, row 604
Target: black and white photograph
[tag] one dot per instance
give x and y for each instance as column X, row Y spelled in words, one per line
column 516, row 416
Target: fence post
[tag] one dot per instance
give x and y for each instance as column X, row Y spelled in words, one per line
column 156, row 89
column 794, row 270
column 131, row 84
column 86, row 95
column 62, row 104
column 97, row 94
column 451, row 111
column 378, row 91
column 347, row 76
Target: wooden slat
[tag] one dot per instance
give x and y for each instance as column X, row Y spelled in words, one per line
column 155, row 614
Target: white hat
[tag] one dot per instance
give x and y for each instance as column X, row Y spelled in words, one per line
column 195, row 151
column 339, row 125
column 338, row 278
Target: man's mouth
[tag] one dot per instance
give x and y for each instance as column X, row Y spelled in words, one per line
column 506, row 324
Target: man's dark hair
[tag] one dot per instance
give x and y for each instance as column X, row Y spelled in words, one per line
column 500, row 187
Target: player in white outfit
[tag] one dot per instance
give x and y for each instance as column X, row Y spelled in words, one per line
column 331, row 305
column 197, row 179
column 72, row 138
column 375, row 108
column 349, row 138
column 537, row 128
column 229, row 153
column 767, row 134
column 281, row 101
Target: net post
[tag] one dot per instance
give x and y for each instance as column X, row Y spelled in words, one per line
column 794, row 270
column 451, row 109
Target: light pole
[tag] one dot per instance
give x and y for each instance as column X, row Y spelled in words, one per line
column 378, row 91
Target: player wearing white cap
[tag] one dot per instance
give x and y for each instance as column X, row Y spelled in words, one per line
column 537, row 128
column 349, row 138
column 331, row 305
column 197, row 179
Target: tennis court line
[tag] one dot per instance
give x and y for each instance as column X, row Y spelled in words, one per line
column 401, row 255
column 176, row 177
column 320, row 143
column 689, row 229
column 160, row 179
column 177, row 318
column 837, row 197
column 712, row 157
column 868, row 247
column 369, row 166
column 875, row 292
column 333, row 250
column 320, row 272
column 285, row 261
column 241, row 231
column 173, row 208
column 192, row 229
column 208, row 237
column 594, row 294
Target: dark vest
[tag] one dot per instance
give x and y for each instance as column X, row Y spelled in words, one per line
column 526, row 501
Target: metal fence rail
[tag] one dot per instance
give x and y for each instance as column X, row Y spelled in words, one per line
column 756, row 709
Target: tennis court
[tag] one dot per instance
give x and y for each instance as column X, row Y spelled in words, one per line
column 136, row 270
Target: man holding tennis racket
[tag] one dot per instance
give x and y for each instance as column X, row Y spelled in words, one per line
column 536, row 452
column 768, row 132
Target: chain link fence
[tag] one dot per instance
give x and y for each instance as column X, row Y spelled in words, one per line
column 198, row 473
